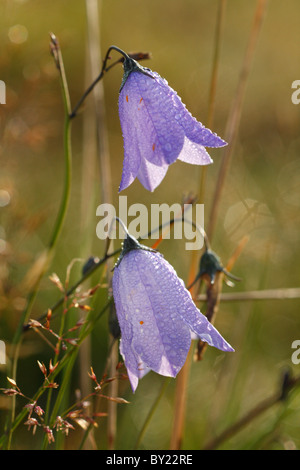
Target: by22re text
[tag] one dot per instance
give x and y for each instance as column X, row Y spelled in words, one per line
column 152, row 459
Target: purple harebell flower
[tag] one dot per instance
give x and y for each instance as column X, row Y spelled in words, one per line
column 156, row 314
column 157, row 128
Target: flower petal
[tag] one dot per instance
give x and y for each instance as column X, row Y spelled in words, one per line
column 150, row 328
column 157, row 129
column 194, row 153
column 131, row 167
column 134, row 365
column 136, row 369
column 157, row 315
column 183, row 305
column 176, row 112
column 144, row 111
column 151, row 175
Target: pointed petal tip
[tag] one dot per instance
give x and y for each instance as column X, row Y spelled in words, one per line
column 133, row 387
column 218, row 144
column 223, row 144
column 226, row 347
column 215, row 141
column 124, row 184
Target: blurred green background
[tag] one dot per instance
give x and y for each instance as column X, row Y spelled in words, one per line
column 264, row 175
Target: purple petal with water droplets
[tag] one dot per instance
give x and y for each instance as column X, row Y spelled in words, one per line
column 136, row 369
column 157, row 129
column 151, row 175
column 194, row 154
column 156, row 315
column 149, row 328
column 183, row 303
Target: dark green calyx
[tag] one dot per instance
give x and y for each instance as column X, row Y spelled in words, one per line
column 210, row 264
column 89, row 265
column 131, row 65
column 130, row 243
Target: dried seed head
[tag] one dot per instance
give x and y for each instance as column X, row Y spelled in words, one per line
column 38, row 410
column 42, row 368
column 12, row 382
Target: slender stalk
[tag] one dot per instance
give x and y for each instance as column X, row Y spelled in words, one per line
column 99, row 77
column 213, row 292
column 56, row 356
column 151, row 412
column 43, row 266
column 259, row 409
column 104, row 259
column 265, row 294
column 93, row 7
column 213, row 84
column 72, row 289
column 180, row 403
column 236, row 111
column 67, row 147
column 181, row 383
column 89, row 177
column 73, row 351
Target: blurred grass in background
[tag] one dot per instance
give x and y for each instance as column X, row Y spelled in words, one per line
column 264, row 176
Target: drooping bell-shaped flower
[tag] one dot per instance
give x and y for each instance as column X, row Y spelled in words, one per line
column 210, row 265
column 156, row 314
column 157, row 128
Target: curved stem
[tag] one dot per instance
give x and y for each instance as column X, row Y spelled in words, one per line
column 180, row 402
column 151, row 412
column 47, row 256
column 97, row 79
column 213, row 84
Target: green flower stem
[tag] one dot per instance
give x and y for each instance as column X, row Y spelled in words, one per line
column 230, row 136
column 68, row 369
column 105, row 258
column 213, row 85
column 236, row 112
column 48, row 254
column 73, row 351
column 181, row 383
column 63, row 389
column 151, row 412
column 94, row 83
column 280, row 397
column 61, row 331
